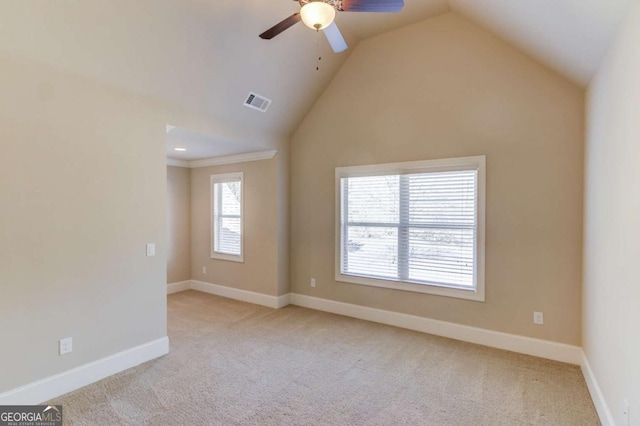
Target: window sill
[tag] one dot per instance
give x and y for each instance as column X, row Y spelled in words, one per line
column 228, row 257
column 475, row 295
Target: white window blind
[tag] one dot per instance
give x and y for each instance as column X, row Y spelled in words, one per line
column 227, row 215
column 411, row 227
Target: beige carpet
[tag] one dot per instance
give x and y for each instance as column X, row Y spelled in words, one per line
column 233, row 363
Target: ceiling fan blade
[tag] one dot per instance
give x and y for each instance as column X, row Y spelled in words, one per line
column 281, row 26
column 334, row 36
column 389, row 6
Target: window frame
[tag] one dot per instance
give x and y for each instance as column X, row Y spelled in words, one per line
column 441, row 165
column 226, row 178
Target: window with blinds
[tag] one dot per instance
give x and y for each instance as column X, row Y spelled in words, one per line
column 416, row 225
column 226, row 224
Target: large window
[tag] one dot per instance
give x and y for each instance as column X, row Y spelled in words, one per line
column 226, row 218
column 415, row 226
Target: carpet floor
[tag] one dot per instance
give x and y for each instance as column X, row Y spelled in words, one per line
column 233, row 363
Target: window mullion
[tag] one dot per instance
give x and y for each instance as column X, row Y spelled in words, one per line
column 403, row 229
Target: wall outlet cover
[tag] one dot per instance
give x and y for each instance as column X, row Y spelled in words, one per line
column 65, row 345
column 538, row 318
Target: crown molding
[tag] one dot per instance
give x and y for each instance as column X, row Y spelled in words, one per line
column 177, row 163
column 227, row 159
column 230, row 159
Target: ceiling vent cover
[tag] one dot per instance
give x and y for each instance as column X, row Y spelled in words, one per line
column 258, row 102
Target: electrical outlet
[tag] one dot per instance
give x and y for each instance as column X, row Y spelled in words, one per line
column 204, row 269
column 625, row 413
column 65, row 345
column 538, row 318
column 313, row 282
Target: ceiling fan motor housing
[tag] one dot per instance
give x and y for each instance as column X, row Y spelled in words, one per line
column 337, row 4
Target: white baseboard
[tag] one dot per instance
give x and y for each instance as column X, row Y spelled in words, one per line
column 70, row 380
column 243, row 295
column 496, row 339
column 284, row 300
column 596, row 394
column 179, row 286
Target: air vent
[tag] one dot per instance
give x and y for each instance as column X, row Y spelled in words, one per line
column 258, row 102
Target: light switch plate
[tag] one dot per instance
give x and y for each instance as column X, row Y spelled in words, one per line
column 151, row 249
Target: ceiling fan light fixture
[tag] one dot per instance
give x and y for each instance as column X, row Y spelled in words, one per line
column 317, row 15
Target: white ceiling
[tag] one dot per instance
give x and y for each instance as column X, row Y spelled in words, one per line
column 205, row 55
column 200, row 146
column 569, row 36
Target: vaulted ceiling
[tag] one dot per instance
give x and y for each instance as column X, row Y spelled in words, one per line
column 205, row 55
column 569, row 36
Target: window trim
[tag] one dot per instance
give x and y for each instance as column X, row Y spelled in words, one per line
column 441, row 165
column 223, row 178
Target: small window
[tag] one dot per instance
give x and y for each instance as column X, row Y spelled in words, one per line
column 226, row 218
column 416, row 226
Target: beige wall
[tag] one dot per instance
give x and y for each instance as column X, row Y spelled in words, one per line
column 178, row 224
column 264, row 234
column 82, row 190
column 282, row 161
column 611, row 311
column 445, row 88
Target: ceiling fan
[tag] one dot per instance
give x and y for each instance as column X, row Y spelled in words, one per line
column 320, row 15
